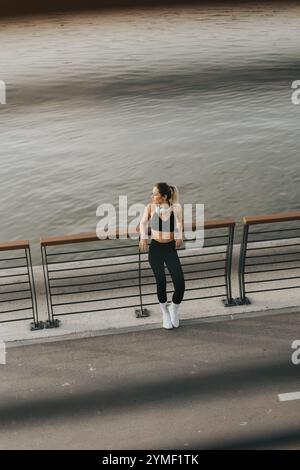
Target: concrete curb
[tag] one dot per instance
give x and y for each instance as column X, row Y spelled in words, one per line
column 154, row 326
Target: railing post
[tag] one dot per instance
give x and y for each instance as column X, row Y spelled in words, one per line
column 36, row 324
column 242, row 300
column 142, row 311
column 229, row 302
column 51, row 322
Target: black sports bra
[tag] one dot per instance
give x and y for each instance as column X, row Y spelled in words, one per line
column 162, row 225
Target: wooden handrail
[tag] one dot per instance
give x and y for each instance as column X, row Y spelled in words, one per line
column 210, row 224
column 271, row 218
column 14, row 245
column 78, row 238
column 92, row 236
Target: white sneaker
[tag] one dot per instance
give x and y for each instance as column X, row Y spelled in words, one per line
column 174, row 315
column 167, row 324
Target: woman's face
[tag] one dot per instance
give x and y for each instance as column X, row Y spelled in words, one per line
column 156, row 197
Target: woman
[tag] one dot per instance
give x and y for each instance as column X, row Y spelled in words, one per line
column 163, row 211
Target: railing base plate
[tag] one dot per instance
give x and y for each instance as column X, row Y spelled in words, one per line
column 230, row 303
column 244, row 301
column 52, row 323
column 37, row 326
column 141, row 313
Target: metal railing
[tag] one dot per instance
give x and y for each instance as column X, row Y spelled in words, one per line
column 96, row 273
column 114, row 274
column 200, row 265
column 273, row 250
column 72, row 273
column 15, row 272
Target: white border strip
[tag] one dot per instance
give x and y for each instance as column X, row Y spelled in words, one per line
column 289, row 396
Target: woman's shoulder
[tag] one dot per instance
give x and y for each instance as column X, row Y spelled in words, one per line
column 151, row 207
column 177, row 207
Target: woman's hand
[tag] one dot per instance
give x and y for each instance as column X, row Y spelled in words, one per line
column 143, row 245
column 179, row 242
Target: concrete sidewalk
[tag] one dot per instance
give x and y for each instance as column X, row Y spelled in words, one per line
column 123, row 319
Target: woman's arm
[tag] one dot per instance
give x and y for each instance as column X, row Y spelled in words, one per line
column 179, row 219
column 144, row 223
column 179, row 224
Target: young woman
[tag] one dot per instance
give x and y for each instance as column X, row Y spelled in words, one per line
column 165, row 214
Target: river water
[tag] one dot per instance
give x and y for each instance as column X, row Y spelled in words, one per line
column 102, row 104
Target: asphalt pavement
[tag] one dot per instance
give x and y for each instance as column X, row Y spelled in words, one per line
column 210, row 385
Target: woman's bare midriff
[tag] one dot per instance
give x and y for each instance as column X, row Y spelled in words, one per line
column 156, row 235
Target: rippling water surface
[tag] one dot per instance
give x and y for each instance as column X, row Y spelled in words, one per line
column 103, row 104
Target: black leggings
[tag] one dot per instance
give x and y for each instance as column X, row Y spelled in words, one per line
column 160, row 253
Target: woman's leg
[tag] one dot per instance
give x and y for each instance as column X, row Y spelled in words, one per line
column 156, row 261
column 174, row 266
column 175, row 269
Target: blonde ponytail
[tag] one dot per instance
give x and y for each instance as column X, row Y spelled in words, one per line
column 175, row 194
